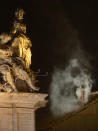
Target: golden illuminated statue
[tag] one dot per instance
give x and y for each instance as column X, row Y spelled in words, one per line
column 15, row 58
column 21, row 41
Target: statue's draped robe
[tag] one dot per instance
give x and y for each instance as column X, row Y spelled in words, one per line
column 23, row 44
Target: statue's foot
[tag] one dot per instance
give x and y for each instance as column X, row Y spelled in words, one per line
column 15, row 90
column 36, row 89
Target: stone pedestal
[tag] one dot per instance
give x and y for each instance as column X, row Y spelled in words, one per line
column 17, row 110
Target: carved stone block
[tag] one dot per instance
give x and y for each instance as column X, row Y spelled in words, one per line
column 17, row 110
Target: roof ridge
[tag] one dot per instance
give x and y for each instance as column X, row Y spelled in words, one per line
column 55, row 123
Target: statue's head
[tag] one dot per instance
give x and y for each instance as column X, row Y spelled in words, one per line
column 18, row 27
column 19, row 13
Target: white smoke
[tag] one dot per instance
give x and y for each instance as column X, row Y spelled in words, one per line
column 66, row 87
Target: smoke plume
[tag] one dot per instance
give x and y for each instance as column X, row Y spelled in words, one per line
column 68, row 83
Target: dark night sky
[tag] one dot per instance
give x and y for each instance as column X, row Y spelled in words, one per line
column 51, row 24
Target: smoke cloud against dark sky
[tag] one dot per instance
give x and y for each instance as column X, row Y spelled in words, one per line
column 54, row 27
